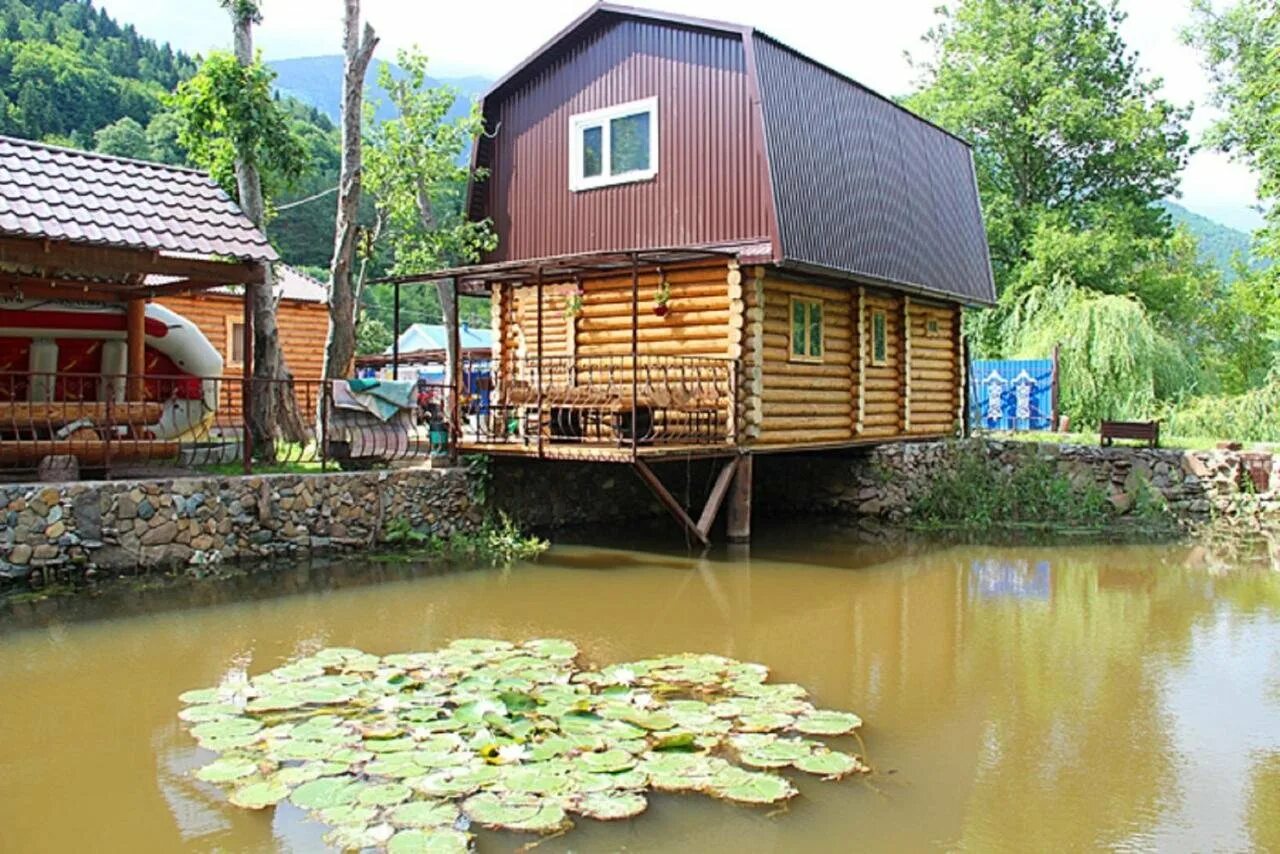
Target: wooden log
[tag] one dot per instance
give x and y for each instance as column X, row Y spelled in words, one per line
column 803, row 436
column 797, row 422
column 738, row 524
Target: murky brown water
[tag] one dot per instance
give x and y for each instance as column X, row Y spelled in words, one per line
column 1016, row 699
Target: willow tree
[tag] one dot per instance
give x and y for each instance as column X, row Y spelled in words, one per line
column 232, row 126
column 415, row 169
column 340, row 346
column 1062, row 119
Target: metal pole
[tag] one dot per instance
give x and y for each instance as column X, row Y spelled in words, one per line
column 395, row 334
column 635, row 350
column 246, row 384
column 453, row 355
column 539, row 363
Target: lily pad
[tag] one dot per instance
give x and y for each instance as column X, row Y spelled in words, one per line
column 227, row 769
column 434, row 841
column 611, row 806
column 208, row 712
column 750, row 787
column 607, row 761
column 829, row 763
column 828, row 723
column 424, row 814
column 226, row 728
column 552, row 648
column 348, row 814
column 259, row 795
column 325, row 792
column 384, row 794
column 514, row 813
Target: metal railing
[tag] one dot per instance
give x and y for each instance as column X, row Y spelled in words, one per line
column 607, row 401
column 60, row 426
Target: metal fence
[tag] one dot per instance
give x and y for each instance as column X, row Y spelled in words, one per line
column 119, row 425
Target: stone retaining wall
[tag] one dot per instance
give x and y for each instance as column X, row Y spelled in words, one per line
column 883, row 481
column 122, row 526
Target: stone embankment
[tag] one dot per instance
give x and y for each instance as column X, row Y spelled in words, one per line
column 1195, row 486
column 127, row 526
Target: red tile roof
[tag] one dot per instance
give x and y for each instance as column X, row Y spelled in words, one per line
column 52, row 193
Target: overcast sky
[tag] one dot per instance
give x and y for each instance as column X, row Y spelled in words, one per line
column 866, row 41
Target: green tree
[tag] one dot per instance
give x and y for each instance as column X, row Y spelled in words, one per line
column 372, row 336
column 123, row 138
column 1061, row 117
column 228, row 114
column 413, row 168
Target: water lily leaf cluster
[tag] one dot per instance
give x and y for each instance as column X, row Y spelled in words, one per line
column 409, row 752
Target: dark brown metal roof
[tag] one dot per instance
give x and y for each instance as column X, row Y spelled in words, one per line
column 60, row 194
column 758, row 144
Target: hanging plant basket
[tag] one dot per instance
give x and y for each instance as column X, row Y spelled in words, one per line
column 661, row 300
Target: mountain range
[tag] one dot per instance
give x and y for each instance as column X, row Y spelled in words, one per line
column 317, row 82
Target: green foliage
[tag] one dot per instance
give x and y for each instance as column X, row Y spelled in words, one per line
column 412, row 166
column 978, row 494
column 1241, row 49
column 67, row 69
column 372, row 336
column 1253, row 416
column 1224, row 247
column 498, row 542
column 1060, row 116
column 1115, row 363
column 124, row 138
column 228, row 112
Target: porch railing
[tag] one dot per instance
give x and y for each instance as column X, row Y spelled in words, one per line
column 608, row 401
column 122, row 426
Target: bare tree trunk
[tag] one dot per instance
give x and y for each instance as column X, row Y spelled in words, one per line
column 275, row 407
column 340, row 348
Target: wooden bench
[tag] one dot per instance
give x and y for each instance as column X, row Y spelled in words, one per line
column 1143, row 431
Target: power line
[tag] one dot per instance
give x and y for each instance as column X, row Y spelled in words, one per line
column 319, row 195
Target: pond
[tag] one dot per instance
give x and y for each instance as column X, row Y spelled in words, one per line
column 1015, row 698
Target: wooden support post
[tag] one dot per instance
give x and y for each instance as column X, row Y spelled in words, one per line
column 635, row 355
column 246, row 382
column 860, row 407
column 739, row 530
column 904, row 360
column 716, row 498
column 539, row 363
column 669, row 501
column 454, row 357
column 395, row 332
column 136, row 348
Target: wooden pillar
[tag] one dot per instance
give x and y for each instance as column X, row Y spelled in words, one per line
column 739, row 522
column 136, row 347
column 904, row 363
column 635, row 352
column 454, row 357
column 539, row 363
column 395, row 332
column 246, row 379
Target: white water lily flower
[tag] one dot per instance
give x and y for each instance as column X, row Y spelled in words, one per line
column 643, row 700
column 382, row 832
column 235, row 689
column 512, row 753
column 389, row 704
column 622, row 676
column 485, row 707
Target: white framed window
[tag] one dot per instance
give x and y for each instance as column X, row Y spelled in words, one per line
column 615, row 145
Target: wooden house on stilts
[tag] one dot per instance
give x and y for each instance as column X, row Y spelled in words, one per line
column 710, row 244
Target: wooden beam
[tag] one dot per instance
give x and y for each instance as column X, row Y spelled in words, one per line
column 739, row 527
column 136, row 344
column 59, row 257
column 16, row 285
column 716, row 498
column 668, row 501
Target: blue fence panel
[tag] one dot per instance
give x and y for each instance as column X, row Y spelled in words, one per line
column 1011, row 394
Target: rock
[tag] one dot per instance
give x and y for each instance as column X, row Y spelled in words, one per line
column 146, row 509
column 50, row 496
column 202, row 543
column 20, row 555
column 126, row 507
column 86, row 510
column 161, row 534
column 62, row 468
column 55, row 530
column 44, row 552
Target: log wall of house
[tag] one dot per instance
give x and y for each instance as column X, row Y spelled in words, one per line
column 303, row 327
column 806, row 401
column 935, row 377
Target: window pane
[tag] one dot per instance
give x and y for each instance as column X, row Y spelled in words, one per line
column 880, row 351
column 629, row 144
column 236, row 345
column 592, row 151
column 797, row 328
column 815, row 329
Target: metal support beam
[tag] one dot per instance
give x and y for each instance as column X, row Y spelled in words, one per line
column 395, row 333
column 716, row 498
column 669, row 501
column 635, row 357
column 739, row 527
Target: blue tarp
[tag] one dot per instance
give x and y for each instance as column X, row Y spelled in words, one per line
column 1011, row 394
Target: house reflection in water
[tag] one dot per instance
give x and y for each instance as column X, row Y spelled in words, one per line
column 1009, row 579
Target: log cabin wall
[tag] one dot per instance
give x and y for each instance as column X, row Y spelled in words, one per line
column 883, row 384
column 303, row 327
column 935, row 375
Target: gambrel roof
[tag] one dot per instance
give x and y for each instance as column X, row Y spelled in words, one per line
column 857, row 187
